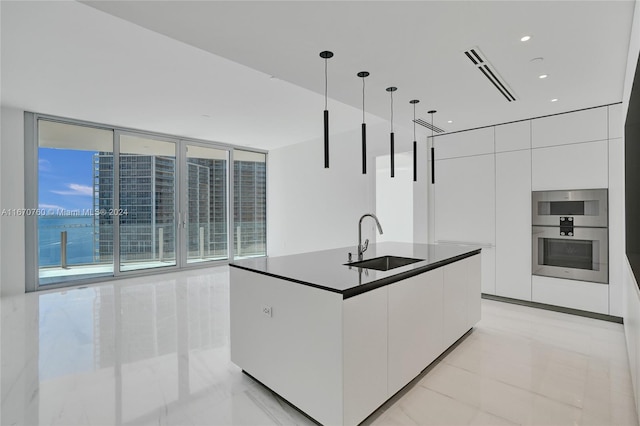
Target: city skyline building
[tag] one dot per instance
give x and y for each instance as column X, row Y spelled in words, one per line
column 147, row 195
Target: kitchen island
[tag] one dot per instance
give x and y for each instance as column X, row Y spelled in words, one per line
column 337, row 340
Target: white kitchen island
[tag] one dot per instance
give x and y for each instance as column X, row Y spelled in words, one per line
column 337, row 341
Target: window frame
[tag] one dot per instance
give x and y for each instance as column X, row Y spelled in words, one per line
column 31, row 146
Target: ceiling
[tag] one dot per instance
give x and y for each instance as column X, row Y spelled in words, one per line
column 253, row 67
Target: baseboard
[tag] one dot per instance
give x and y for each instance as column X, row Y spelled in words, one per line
column 554, row 308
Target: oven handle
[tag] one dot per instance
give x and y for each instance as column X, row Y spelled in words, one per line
column 554, row 232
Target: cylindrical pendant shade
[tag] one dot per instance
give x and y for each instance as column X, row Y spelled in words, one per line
column 433, row 165
column 433, row 149
column 393, row 168
column 364, row 148
column 415, row 161
column 326, row 139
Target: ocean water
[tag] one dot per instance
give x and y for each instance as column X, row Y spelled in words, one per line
column 80, row 233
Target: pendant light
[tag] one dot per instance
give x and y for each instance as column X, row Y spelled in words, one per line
column 391, row 90
column 415, row 144
column 433, row 150
column 363, row 74
column 326, row 55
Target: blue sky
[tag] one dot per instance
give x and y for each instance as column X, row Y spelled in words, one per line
column 65, row 179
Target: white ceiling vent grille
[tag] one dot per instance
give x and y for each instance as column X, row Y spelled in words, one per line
column 482, row 64
column 423, row 123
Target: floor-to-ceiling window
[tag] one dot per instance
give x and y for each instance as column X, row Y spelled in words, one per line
column 72, row 242
column 109, row 202
column 206, row 209
column 250, row 203
column 147, row 202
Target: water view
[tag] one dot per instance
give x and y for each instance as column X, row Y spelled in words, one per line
column 80, row 239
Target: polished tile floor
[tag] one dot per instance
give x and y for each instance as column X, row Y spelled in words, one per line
column 155, row 350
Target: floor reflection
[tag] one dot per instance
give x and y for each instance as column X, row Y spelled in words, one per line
column 139, row 351
column 155, row 350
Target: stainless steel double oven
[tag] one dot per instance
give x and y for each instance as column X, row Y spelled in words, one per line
column 570, row 234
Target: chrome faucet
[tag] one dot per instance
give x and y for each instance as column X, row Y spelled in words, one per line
column 361, row 248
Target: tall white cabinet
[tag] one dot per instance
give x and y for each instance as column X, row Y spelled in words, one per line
column 464, row 195
column 482, row 195
column 513, row 210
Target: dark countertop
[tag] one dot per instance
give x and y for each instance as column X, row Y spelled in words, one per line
column 326, row 270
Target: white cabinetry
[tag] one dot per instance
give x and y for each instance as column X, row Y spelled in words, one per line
column 474, row 290
column 483, row 195
column 513, row 136
column 616, row 122
column 461, row 292
column 583, row 295
column 365, row 354
column 577, row 166
column 415, row 326
column 455, row 301
column 513, row 224
column 339, row 359
column 581, row 126
column 299, row 343
column 464, row 144
column 465, row 207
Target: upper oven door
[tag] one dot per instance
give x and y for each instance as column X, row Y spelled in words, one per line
column 587, row 207
column 580, row 256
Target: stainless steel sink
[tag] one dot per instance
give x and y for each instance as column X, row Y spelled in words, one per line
column 384, row 263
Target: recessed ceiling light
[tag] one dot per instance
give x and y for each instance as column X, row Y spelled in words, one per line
column 450, row 121
column 543, row 76
column 525, row 38
column 554, row 100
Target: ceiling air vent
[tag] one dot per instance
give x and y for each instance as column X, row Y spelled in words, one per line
column 423, row 123
column 480, row 62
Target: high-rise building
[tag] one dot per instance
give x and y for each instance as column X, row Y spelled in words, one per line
column 147, row 205
column 250, row 208
column 147, row 197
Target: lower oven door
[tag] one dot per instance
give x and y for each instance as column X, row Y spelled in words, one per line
column 581, row 256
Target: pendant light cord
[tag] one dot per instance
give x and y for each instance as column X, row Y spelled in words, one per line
column 432, row 128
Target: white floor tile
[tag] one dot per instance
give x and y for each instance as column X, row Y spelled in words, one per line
column 155, row 350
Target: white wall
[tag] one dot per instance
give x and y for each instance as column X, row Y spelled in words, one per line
column 313, row 208
column 12, row 260
column 421, row 195
column 394, row 197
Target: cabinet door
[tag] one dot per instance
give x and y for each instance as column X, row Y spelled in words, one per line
column 465, row 207
column 456, row 296
column 365, row 354
column 474, row 310
column 513, row 136
column 513, row 224
column 576, row 166
column 464, row 144
column 415, row 326
column 580, row 126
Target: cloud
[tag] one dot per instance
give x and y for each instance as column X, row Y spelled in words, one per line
column 44, row 165
column 76, row 189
